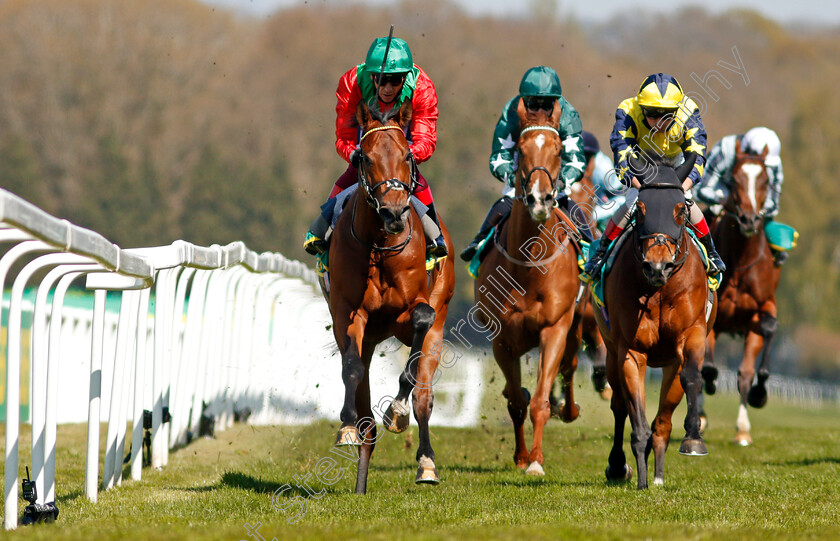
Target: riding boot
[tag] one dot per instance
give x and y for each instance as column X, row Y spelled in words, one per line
column 596, row 258
column 716, row 264
column 779, row 257
column 498, row 211
column 436, row 245
column 316, row 241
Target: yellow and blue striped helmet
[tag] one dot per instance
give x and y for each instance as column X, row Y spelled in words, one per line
column 660, row 91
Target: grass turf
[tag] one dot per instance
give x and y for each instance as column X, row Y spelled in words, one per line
column 787, row 485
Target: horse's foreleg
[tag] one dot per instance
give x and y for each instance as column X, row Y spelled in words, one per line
column 633, row 383
column 366, row 425
column 746, row 374
column 670, row 395
column 710, row 371
column 552, row 347
column 423, row 400
column 617, row 467
column 352, row 373
column 569, row 409
column 395, row 418
column 517, row 398
column 692, row 355
column 768, row 325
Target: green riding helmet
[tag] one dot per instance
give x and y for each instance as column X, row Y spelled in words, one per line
column 540, row 81
column 399, row 56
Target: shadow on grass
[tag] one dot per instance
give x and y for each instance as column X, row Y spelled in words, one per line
column 263, row 486
column 460, row 468
column 807, row 461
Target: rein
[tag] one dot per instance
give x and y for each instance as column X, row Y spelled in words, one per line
column 522, row 263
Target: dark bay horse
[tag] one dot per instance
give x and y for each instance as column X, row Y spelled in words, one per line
column 379, row 288
column 582, row 194
column 748, row 290
column 527, row 285
column 656, row 308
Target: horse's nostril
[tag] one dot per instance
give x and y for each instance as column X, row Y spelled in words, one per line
column 530, row 199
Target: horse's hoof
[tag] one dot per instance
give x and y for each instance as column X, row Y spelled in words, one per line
column 521, row 463
column 704, row 423
column 623, row 477
column 607, row 393
column 599, row 379
column 555, row 411
column 535, row 469
column 427, row 472
column 710, row 374
column 348, row 435
column 395, row 418
column 743, row 439
column 569, row 416
column 757, row 397
column 693, row 447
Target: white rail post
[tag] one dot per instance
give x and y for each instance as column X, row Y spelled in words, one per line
column 140, row 365
column 13, row 381
column 95, row 393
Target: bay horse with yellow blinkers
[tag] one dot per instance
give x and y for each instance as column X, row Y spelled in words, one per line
column 379, row 288
column 748, row 289
column 655, row 314
column 527, row 284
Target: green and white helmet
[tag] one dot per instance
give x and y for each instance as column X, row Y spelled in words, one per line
column 540, row 81
column 399, row 56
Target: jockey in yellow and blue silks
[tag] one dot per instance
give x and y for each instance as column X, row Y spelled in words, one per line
column 661, row 124
column 538, row 89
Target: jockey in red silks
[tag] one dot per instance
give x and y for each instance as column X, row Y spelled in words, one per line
column 400, row 80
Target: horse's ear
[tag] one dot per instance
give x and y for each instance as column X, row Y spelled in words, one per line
column 404, row 116
column 638, row 166
column 363, row 115
column 764, row 152
column 737, row 147
column 680, row 211
column 685, row 169
column 640, row 213
column 521, row 112
column 555, row 113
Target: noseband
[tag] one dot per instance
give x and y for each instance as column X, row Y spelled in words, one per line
column 525, row 178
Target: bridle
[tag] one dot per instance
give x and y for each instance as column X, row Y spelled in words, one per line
column 525, row 177
column 679, row 253
column 390, row 184
column 733, row 208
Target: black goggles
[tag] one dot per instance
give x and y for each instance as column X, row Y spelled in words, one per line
column 534, row 103
column 657, row 112
column 393, row 79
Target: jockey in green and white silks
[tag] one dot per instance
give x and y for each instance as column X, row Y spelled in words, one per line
column 714, row 187
column 539, row 89
column 717, row 178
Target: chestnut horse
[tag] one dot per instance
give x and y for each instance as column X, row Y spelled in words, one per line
column 379, row 288
column 527, row 284
column 748, row 290
column 655, row 315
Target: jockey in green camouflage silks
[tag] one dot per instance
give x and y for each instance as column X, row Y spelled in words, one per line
column 539, row 89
